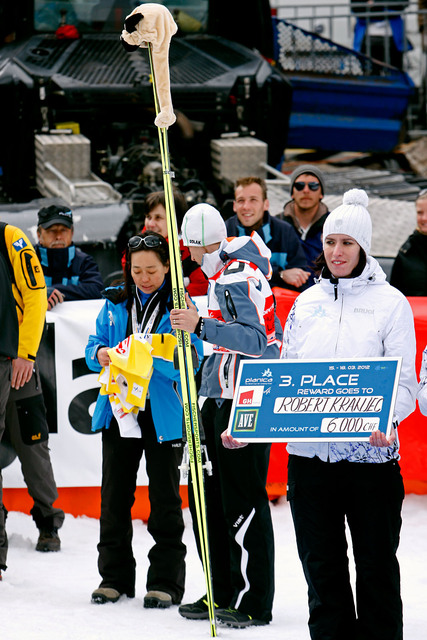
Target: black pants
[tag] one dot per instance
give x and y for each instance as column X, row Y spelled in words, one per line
column 120, row 463
column 322, row 495
column 240, row 530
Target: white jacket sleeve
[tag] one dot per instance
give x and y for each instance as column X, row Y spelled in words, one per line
column 422, row 387
column 289, row 335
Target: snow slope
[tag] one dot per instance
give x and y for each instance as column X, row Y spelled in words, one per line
column 47, row 595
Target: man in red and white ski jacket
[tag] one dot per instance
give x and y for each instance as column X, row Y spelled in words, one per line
column 241, row 320
column 242, row 324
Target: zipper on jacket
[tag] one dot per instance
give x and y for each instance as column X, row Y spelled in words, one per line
column 339, row 325
column 334, row 281
column 226, row 369
column 230, row 304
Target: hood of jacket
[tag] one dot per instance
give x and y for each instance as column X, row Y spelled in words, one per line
column 250, row 248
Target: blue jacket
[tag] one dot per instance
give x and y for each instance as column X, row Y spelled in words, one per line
column 283, row 242
column 71, row 271
column 164, row 388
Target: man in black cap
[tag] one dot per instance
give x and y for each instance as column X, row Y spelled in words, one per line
column 306, row 212
column 70, row 273
column 22, row 411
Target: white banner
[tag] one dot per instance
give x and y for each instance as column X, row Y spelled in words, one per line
column 76, row 457
column 75, row 452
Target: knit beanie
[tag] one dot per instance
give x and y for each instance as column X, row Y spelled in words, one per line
column 307, row 168
column 203, row 225
column 351, row 219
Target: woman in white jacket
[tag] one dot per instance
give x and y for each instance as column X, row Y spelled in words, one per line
column 353, row 312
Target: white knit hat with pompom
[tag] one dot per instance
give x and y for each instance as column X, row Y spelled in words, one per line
column 351, row 219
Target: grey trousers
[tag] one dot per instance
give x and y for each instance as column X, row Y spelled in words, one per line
column 34, row 458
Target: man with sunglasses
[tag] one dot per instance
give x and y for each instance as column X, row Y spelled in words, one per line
column 287, row 256
column 306, row 212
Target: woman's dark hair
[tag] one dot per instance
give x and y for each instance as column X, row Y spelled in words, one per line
column 158, row 197
column 321, row 268
column 150, row 241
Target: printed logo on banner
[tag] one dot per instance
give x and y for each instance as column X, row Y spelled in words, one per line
column 245, row 420
column 250, row 396
column 265, row 379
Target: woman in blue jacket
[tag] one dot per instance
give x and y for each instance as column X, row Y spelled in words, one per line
column 142, row 305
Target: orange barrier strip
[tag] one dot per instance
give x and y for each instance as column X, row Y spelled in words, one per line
column 83, row 501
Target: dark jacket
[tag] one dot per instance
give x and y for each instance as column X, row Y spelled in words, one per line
column 311, row 238
column 283, row 242
column 409, row 272
column 71, row 271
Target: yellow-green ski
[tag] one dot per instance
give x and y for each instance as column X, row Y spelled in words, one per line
column 188, row 384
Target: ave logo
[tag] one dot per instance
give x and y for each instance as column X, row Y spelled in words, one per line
column 250, row 396
column 245, row 420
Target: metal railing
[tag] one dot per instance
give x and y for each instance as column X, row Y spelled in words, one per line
column 298, row 50
column 335, row 23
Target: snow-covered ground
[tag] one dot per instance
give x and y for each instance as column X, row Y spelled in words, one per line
column 47, row 595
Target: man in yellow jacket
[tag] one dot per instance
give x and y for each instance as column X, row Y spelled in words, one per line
column 23, row 304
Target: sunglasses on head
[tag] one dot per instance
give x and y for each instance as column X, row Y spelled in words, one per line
column 313, row 186
column 149, row 241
